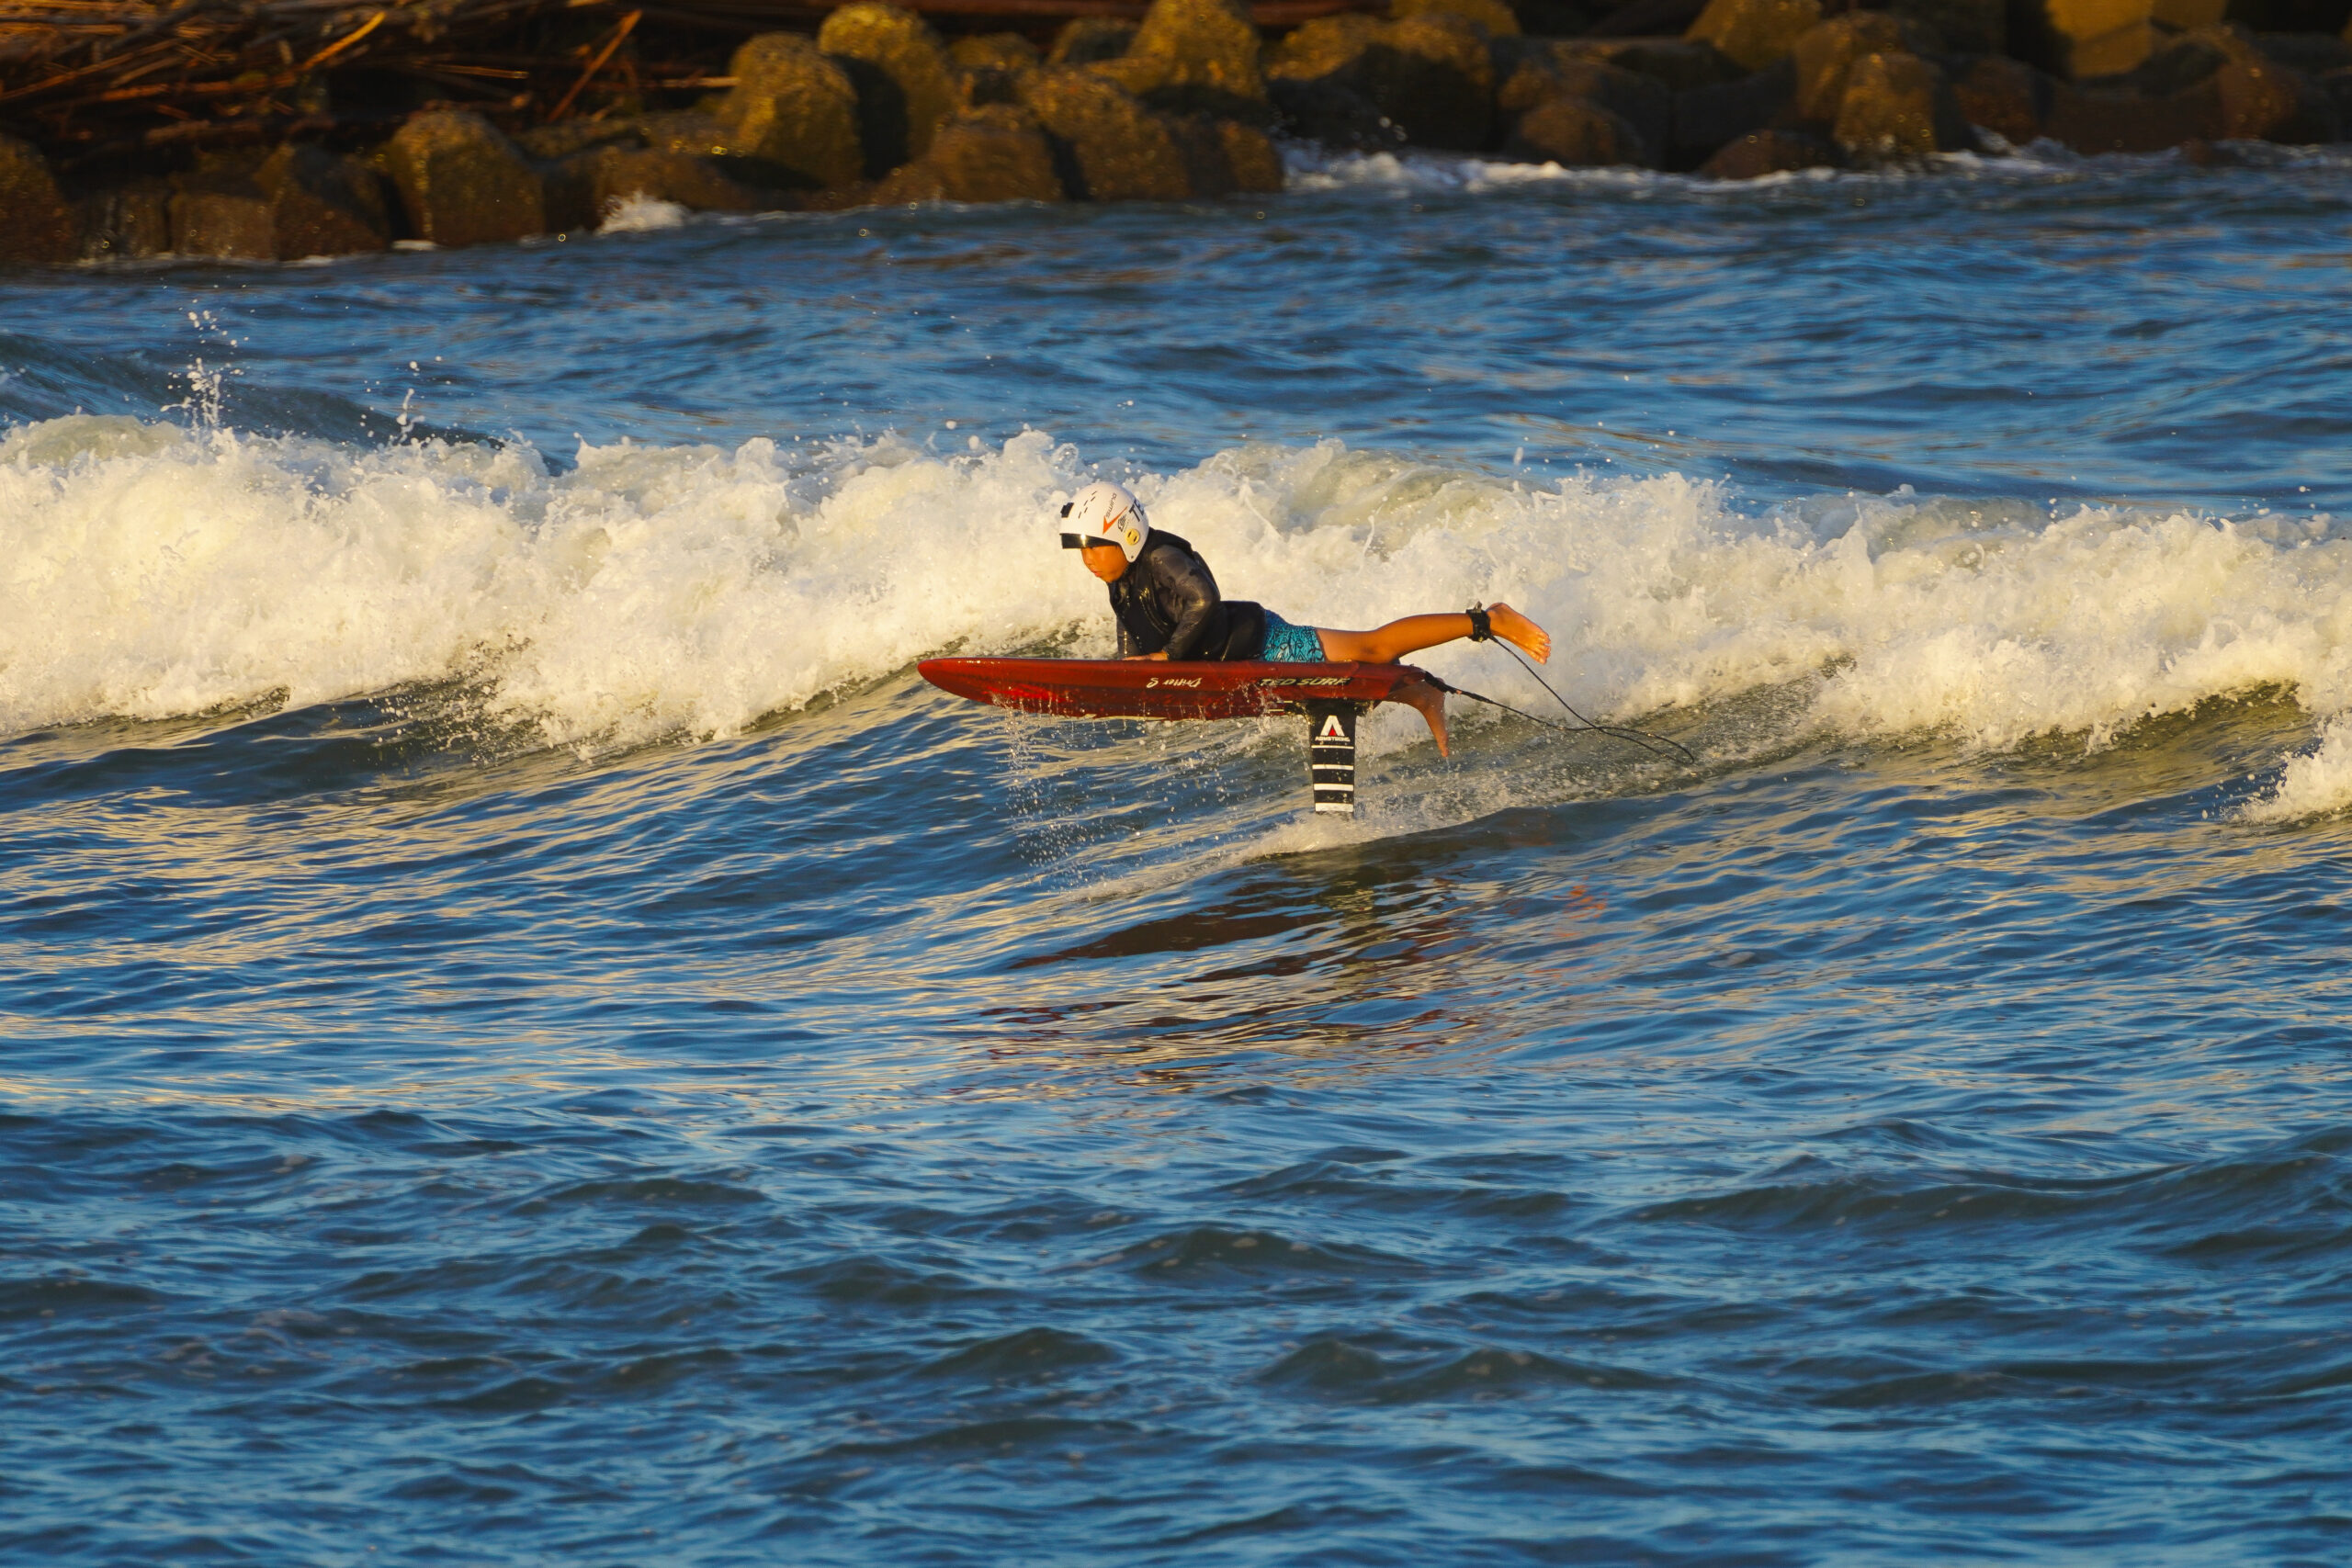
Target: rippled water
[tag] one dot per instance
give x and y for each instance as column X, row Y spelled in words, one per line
column 530, row 1035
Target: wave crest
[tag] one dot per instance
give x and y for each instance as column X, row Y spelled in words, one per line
column 648, row 590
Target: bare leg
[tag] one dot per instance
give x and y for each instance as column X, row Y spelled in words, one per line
column 1386, row 645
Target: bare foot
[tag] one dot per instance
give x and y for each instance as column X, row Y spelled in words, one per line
column 1430, row 703
column 1519, row 631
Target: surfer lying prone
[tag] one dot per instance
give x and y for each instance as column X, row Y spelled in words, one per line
column 1169, row 607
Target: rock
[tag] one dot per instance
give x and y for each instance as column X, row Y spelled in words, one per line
column 323, row 204
column 900, row 72
column 1752, row 34
column 568, row 188
column 617, row 174
column 995, row 52
column 1089, row 38
column 2093, row 122
column 1706, row 118
column 683, row 130
column 979, row 85
column 1526, row 79
column 2313, row 54
column 2264, row 101
column 1825, row 55
column 1108, row 146
column 1555, row 18
column 1327, row 109
column 2337, row 85
column 2289, row 15
column 1429, row 75
column 1497, row 18
column 36, row 224
column 996, row 153
column 460, row 181
column 1322, row 48
column 568, row 138
column 1251, row 156
column 2100, row 38
column 1574, row 133
column 2112, row 52
column 1898, row 105
column 795, row 111
column 2007, row 97
column 226, row 218
column 2181, row 63
column 124, row 223
column 1643, row 102
column 1648, row 19
column 1963, row 27
column 1761, row 153
column 1680, row 64
column 1225, row 157
column 1194, row 56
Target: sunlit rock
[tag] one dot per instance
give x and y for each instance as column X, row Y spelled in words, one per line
column 1752, row 34
column 997, row 152
column 460, row 181
column 794, row 111
column 1897, row 106
column 904, row 80
column 1574, row 133
column 1111, row 147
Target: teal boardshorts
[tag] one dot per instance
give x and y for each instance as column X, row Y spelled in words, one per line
column 1288, row 644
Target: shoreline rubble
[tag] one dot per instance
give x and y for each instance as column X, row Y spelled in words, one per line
column 289, row 129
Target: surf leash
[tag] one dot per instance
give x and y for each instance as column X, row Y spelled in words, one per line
column 1657, row 745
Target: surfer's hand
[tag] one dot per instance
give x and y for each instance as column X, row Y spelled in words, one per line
column 1161, row 656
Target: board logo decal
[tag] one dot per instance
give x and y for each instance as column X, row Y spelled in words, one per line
column 1332, row 730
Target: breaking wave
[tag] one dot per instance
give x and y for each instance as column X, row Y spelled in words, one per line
column 641, row 592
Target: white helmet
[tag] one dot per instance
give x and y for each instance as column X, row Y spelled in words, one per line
column 1107, row 513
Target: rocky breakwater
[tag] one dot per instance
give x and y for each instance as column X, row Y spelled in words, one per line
column 878, row 107
column 1752, row 87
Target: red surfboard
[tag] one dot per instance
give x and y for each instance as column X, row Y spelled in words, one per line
column 1126, row 688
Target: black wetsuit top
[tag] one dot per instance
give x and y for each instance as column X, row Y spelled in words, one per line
column 1167, row 599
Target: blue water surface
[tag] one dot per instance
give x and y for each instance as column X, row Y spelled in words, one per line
column 896, row 1133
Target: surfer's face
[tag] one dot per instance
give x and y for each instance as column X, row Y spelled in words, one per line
column 1106, row 561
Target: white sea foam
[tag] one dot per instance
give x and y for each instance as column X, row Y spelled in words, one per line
column 648, row 592
column 1310, row 167
column 1419, row 172
column 2317, row 783
column 638, row 212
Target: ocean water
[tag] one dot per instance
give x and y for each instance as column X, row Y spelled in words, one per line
column 530, row 1035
